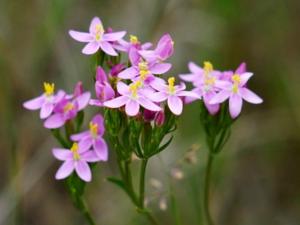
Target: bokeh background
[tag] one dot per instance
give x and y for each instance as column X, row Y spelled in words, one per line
column 256, row 179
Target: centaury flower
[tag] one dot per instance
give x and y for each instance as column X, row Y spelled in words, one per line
column 76, row 158
column 236, row 91
column 132, row 97
column 97, row 38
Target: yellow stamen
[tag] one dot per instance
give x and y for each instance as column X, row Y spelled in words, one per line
column 143, row 66
column 99, row 31
column 236, row 78
column 235, row 88
column 143, row 74
column 68, row 107
column 74, row 150
column 171, row 82
column 210, row 81
column 49, row 88
column 134, row 39
column 208, row 67
column 93, row 129
column 134, row 88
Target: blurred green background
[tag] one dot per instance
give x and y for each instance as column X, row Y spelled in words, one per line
column 256, row 178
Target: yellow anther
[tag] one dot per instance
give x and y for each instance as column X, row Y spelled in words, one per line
column 235, row 88
column 236, row 78
column 68, row 107
column 49, row 88
column 99, row 31
column 143, row 74
column 93, row 128
column 208, row 67
column 171, row 82
column 134, row 88
column 210, row 81
column 134, row 39
column 74, row 150
column 143, row 66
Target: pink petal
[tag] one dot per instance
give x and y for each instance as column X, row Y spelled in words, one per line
column 161, row 68
column 65, row 170
column 101, row 149
column 116, row 102
column 85, row 144
column 35, row 103
column 249, row 96
column 122, row 88
column 90, row 156
column 212, row 108
column 245, row 77
column 148, row 104
column 83, row 170
column 128, row 73
column 194, row 68
column 115, row 36
column 235, row 105
column 189, row 77
column 188, row 94
column 220, row 97
column 134, row 56
column 98, row 119
column 241, row 69
column 79, row 136
column 81, row 36
column 132, row 108
column 158, row 96
column 175, row 104
column 95, row 102
column 146, row 45
column 54, row 121
column 83, row 100
column 62, row 154
column 46, row 110
column 107, row 48
column 91, row 48
column 95, row 21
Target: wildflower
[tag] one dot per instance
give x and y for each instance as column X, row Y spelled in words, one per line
column 45, row 102
column 205, row 81
column 67, row 109
column 172, row 93
column 133, row 43
column 236, row 91
column 163, row 51
column 93, row 138
column 103, row 89
column 142, row 68
column 97, row 38
column 132, row 97
column 76, row 158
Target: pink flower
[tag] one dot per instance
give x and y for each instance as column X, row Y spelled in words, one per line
column 97, row 38
column 205, row 81
column 93, row 138
column 163, row 50
column 67, row 109
column 103, row 89
column 143, row 69
column 46, row 102
column 132, row 97
column 172, row 93
column 76, row 158
column 236, row 91
column 134, row 43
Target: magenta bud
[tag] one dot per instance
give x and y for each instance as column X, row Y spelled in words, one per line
column 160, row 118
column 165, row 47
column 100, row 75
column 104, row 91
column 78, row 90
column 149, row 115
column 109, row 30
column 116, row 69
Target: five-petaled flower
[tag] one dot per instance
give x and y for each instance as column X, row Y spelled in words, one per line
column 76, row 158
column 97, row 38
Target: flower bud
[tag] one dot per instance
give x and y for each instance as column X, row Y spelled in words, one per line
column 116, row 69
column 100, row 75
column 160, row 118
column 78, row 90
column 149, row 115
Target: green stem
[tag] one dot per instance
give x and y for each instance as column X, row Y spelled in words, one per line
column 142, row 183
column 82, row 207
column 207, row 189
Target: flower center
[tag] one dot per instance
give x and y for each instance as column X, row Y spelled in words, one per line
column 236, row 81
column 93, row 129
column 143, row 66
column 74, row 150
column 134, row 88
column 98, row 32
column 134, row 40
column 48, row 89
column 68, row 107
column 171, row 82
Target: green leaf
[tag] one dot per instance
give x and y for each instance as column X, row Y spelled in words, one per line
column 118, row 182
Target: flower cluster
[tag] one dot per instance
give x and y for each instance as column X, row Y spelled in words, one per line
column 216, row 87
